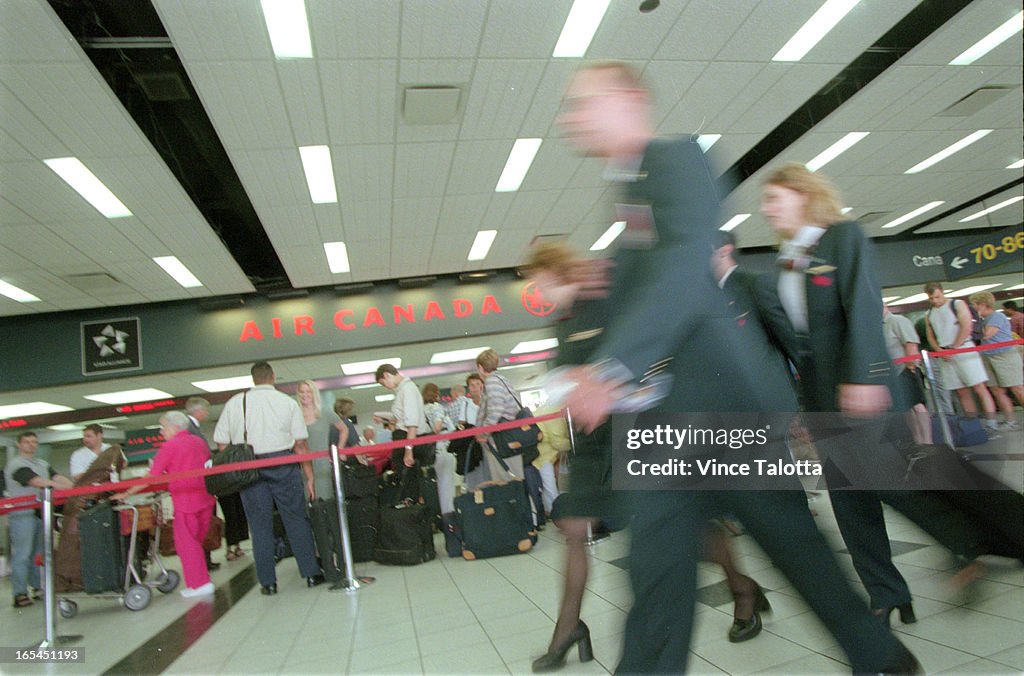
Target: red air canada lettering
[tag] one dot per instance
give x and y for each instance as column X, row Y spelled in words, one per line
column 346, row 319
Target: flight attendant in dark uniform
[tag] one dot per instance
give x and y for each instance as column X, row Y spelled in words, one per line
column 828, row 285
column 668, row 305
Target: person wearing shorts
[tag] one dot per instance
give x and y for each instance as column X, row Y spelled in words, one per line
column 1004, row 365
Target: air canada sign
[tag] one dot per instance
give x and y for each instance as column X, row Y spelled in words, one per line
column 348, row 319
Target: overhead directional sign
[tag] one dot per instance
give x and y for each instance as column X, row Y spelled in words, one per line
column 990, row 251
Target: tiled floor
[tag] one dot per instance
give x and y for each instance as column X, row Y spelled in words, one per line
column 451, row 616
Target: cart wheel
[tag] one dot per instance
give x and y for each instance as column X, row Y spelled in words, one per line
column 67, row 608
column 138, row 597
column 168, row 582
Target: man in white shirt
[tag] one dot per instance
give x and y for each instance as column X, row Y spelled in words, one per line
column 273, row 425
column 92, row 446
column 949, row 327
column 410, row 421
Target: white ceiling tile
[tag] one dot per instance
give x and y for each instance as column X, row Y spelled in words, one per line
column 477, row 166
column 354, row 29
column 708, row 97
column 367, row 220
column 216, row 31
column 360, row 99
column 370, row 258
column 421, row 169
column 409, row 257
column 499, row 97
column 415, row 218
column 529, row 209
column 525, row 29
column 970, row 25
column 704, row 28
column 303, row 98
column 446, row 30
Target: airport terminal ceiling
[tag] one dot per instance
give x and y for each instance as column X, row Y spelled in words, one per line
column 184, row 112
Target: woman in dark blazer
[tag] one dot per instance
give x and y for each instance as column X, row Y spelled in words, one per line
column 827, row 282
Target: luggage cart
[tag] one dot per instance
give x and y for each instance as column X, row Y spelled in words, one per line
column 136, row 593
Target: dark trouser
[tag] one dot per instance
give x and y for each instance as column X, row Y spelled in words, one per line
column 534, row 484
column 862, row 524
column 282, row 486
column 236, row 527
column 667, row 534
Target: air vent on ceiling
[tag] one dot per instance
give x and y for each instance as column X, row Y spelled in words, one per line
column 872, row 216
column 93, row 281
column 431, row 105
column 975, row 101
column 163, row 86
column 553, row 237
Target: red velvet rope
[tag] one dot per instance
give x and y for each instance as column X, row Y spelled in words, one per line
column 962, row 350
column 160, row 482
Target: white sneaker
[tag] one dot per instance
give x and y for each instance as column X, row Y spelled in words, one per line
column 1009, row 426
column 204, row 590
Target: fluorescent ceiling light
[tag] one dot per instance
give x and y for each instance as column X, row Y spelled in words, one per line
column 224, row 384
column 129, row 396
column 14, row 293
column 989, row 42
column 943, row 154
column 971, row 289
column 85, row 183
column 66, row 427
column 1016, row 165
column 997, row 207
column 519, row 366
column 889, row 299
column 364, row 387
column 288, row 28
column 815, row 29
column 481, row 245
column 384, row 397
column 1014, row 288
column 909, row 300
column 456, row 355
column 356, row 368
column 178, row 271
column 733, row 222
column 337, row 257
column 836, row 149
column 705, row 141
column 31, row 408
column 580, row 26
column 845, row 210
column 913, row 214
column 535, row 345
column 609, row 236
column 316, row 163
column 517, row 164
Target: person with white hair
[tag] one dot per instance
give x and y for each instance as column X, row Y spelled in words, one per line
column 193, row 506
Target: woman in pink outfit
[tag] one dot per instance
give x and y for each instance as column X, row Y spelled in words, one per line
column 193, row 506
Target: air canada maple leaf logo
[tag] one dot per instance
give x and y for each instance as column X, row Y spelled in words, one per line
column 534, row 301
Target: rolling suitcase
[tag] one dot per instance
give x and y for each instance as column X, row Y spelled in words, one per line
column 323, row 519
column 428, row 495
column 406, row 536
column 103, row 564
column 496, row 520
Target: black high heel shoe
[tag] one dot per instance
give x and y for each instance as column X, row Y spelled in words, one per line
column 555, row 658
column 906, row 612
column 744, row 630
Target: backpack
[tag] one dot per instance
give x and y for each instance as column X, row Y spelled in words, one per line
column 977, row 323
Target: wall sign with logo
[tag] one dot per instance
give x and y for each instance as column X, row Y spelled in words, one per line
column 111, row 346
column 141, row 445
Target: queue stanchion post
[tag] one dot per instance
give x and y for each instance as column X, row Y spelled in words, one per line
column 350, row 582
column 50, row 593
column 929, row 373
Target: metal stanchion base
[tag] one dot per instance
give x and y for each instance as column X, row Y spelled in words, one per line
column 60, row 640
column 352, row 584
column 596, row 539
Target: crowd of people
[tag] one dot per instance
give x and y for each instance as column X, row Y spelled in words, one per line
column 819, row 346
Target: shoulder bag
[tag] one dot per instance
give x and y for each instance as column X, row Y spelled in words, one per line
column 516, row 441
column 233, row 482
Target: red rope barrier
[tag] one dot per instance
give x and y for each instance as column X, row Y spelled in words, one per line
column 961, row 350
column 154, row 483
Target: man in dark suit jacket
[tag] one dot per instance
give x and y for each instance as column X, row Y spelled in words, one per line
column 671, row 308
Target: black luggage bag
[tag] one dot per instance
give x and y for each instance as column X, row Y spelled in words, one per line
column 428, row 495
column 323, row 519
column 363, row 516
column 496, row 520
column 358, row 481
column 406, row 535
column 103, row 559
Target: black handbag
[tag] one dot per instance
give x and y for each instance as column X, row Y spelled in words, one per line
column 514, row 441
column 235, row 481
